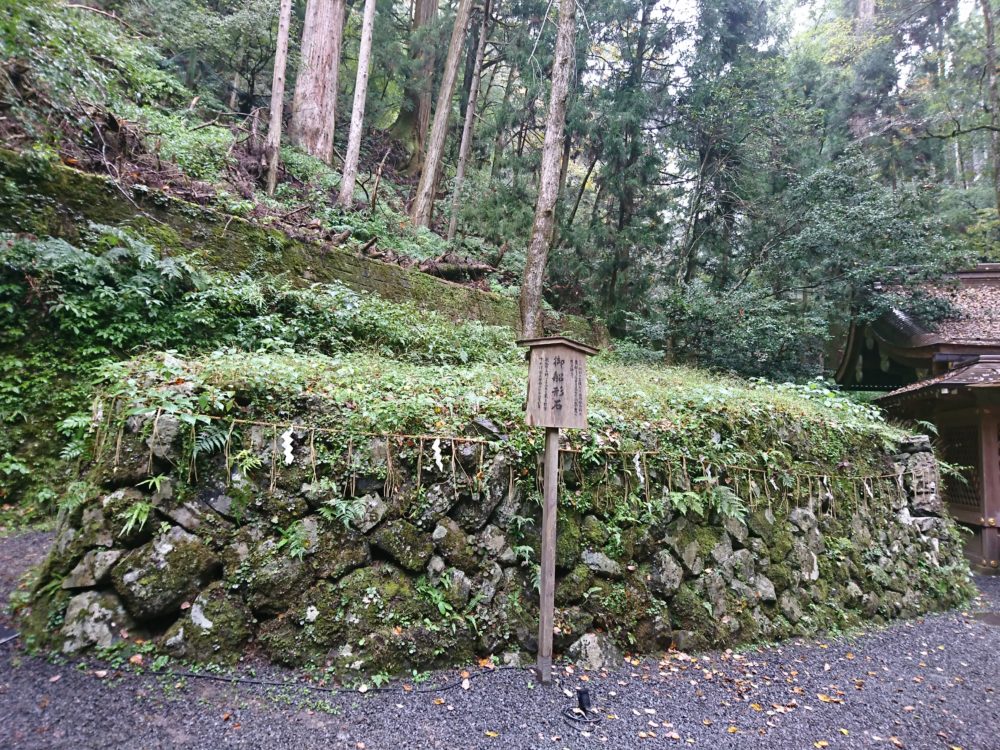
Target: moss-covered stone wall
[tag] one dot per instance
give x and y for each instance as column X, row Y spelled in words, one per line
column 46, row 198
column 389, row 554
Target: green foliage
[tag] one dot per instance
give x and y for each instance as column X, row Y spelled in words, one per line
column 294, row 540
column 135, row 517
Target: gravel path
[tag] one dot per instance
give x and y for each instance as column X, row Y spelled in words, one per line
column 923, row 684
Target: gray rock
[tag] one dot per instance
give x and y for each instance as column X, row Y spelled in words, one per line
column 667, row 574
column 915, row 444
column 722, row 551
column 601, row 563
column 692, row 559
column 495, row 543
column 94, row 619
column 437, row 501
column 736, row 529
column 803, row 519
column 162, row 441
column 459, row 588
column 473, row 513
column 715, row 592
column 405, row 543
column 373, row 511
column 92, row 570
column 806, row 560
column 156, row 578
column 740, row 566
column 922, row 481
column 764, row 588
column 790, row 607
column 595, row 651
column 435, row 566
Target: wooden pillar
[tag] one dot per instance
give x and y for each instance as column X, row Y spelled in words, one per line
column 547, row 581
column 989, row 442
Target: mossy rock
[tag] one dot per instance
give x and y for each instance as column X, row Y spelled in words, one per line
column 283, row 643
column 338, row 552
column 574, row 586
column 452, row 542
column 274, row 578
column 691, row 612
column 116, row 507
column 378, row 595
column 213, row 629
column 404, row 543
column 568, row 540
column 155, row 579
column 594, row 532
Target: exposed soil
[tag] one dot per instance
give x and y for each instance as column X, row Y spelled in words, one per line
column 930, row 684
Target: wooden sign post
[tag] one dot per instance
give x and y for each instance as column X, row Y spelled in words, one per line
column 557, row 397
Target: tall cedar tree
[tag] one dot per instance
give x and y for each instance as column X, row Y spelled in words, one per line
column 548, row 182
column 423, row 203
column 272, row 147
column 353, row 156
column 314, row 107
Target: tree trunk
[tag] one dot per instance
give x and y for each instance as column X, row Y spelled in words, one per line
column 423, row 203
column 353, row 156
column 314, row 107
column 414, row 115
column 993, row 96
column 548, row 184
column 470, row 117
column 501, row 122
column 272, row 148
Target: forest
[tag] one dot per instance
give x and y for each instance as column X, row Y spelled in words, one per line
column 720, row 181
column 281, row 282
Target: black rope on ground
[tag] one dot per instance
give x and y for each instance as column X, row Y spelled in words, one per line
column 578, row 719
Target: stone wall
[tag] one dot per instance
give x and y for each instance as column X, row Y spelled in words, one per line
column 54, row 200
column 416, row 555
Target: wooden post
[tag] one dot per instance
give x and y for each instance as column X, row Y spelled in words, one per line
column 557, row 397
column 547, row 582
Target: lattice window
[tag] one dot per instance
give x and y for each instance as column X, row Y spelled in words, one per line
column 960, row 447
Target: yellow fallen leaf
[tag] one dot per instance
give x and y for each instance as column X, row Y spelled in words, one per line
column 733, row 730
column 491, row 733
column 439, row 701
column 828, row 699
column 844, row 732
column 756, row 707
column 707, row 722
column 821, row 743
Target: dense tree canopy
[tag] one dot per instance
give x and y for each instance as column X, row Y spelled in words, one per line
column 733, row 176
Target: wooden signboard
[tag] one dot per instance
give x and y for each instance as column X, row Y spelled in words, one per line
column 557, row 382
column 557, row 397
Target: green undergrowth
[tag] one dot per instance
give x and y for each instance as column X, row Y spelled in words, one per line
column 68, row 311
column 76, row 319
column 679, row 412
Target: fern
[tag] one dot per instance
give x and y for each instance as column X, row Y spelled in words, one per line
column 210, row 439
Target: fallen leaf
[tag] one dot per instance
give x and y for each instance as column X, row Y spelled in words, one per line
column 55, row 678
column 844, row 732
column 227, row 716
column 756, row 707
column 466, row 684
column 100, row 673
column 439, row 701
column 821, row 743
column 491, row 733
column 828, row 699
column 407, row 688
column 135, row 659
column 733, row 730
column 707, row 722
column 896, row 742
column 464, row 674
